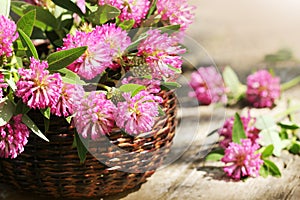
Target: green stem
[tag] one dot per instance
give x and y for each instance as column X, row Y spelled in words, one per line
column 290, row 84
column 107, row 88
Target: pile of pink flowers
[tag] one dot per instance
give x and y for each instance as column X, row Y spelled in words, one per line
column 84, row 90
column 242, row 159
column 261, row 90
column 248, row 123
column 208, row 86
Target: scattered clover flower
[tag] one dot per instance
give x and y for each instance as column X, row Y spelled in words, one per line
column 13, row 137
column 115, row 37
column 2, row 85
column 161, row 54
column 8, row 35
column 94, row 115
column 130, row 9
column 177, row 12
column 152, row 85
column 137, row 114
column 243, row 160
column 96, row 58
column 64, row 105
column 248, row 122
column 208, row 86
column 262, row 89
column 36, row 87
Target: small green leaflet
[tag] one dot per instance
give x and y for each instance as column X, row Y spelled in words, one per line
column 238, row 131
column 269, row 168
column 103, row 14
column 31, row 125
column 7, row 110
column 44, row 19
column 215, row 155
column 27, row 42
column 81, row 148
column 46, row 112
column 26, row 22
column 268, row 151
column 61, row 59
column 71, row 77
column 69, row 5
column 170, row 85
column 237, row 89
column 174, row 69
column 160, row 111
column 68, row 119
column 294, row 147
column 134, row 44
column 46, row 124
column 21, row 108
column 271, row 136
column 126, row 24
column 152, row 8
column 169, row 29
column 288, row 125
column 132, row 88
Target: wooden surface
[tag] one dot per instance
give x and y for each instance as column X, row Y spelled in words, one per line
column 186, row 176
column 191, row 178
column 239, row 33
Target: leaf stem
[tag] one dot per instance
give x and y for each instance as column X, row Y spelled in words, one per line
column 290, row 84
column 107, row 88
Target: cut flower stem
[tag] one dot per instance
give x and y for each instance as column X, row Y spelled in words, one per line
column 290, row 84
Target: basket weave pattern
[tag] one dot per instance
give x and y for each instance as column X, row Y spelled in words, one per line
column 53, row 168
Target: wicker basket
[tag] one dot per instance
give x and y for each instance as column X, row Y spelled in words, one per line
column 53, row 169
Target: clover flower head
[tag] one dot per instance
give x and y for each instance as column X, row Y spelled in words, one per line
column 208, row 86
column 137, row 114
column 248, row 122
column 161, row 54
column 8, row 35
column 96, row 58
column 38, row 88
column 262, row 89
column 64, row 105
column 243, row 160
column 117, row 39
column 94, row 115
column 13, row 137
column 130, row 9
column 176, row 12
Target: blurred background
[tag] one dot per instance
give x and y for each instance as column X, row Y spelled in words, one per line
column 249, row 34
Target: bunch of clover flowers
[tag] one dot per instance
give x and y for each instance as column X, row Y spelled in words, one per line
column 240, row 154
column 95, row 113
column 156, row 53
column 245, row 146
column 262, row 88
